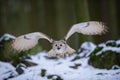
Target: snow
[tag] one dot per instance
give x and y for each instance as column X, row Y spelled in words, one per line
column 86, row 49
column 67, row 68
column 6, row 69
column 111, row 48
column 61, row 67
column 7, row 37
column 118, row 42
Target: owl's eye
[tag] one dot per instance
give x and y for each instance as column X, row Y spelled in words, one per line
column 56, row 45
column 60, row 44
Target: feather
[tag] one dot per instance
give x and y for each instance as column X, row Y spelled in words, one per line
column 52, row 53
column 60, row 47
column 70, row 50
column 27, row 41
column 87, row 28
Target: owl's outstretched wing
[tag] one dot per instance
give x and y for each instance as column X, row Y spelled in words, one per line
column 88, row 28
column 27, row 41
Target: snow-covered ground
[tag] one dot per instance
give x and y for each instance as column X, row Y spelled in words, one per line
column 66, row 68
column 70, row 68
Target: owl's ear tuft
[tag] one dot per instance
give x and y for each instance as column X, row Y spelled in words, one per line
column 52, row 41
column 64, row 39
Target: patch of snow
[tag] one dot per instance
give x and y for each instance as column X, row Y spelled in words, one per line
column 7, row 37
column 6, row 70
column 86, row 49
column 115, row 67
column 109, row 48
column 115, row 49
column 61, row 67
column 110, row 41
column 118, row 41
column 66, row 68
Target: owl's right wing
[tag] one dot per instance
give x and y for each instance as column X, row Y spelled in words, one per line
column 87, row 28
column 27, row 41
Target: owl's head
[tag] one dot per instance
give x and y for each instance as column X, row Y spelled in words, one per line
column 59, row 46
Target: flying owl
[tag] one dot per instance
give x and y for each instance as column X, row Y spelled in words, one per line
column 59, row 47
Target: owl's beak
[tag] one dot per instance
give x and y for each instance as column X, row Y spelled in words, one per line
column 58, row 48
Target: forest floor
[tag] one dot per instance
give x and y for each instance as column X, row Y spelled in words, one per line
column 74, row 67
column 57, row 69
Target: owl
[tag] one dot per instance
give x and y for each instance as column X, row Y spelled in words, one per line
column 59, row 47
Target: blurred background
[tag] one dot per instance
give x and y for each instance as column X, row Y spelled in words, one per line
column 55, row 17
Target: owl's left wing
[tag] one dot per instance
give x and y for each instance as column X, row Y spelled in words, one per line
column 87, row 28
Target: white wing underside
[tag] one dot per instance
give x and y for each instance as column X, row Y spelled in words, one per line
column 21, row 44
column 27, row 41
column 87, row 28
